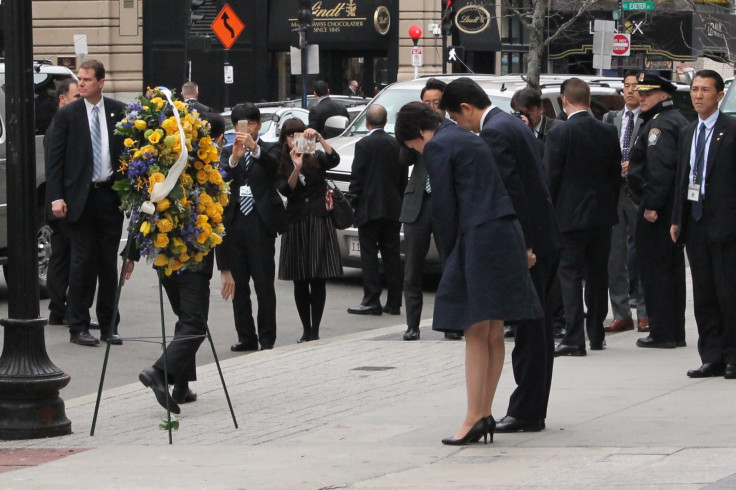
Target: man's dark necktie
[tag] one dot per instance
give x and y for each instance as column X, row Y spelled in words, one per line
column 697, row 206
column 627, row 136
column 246, row 202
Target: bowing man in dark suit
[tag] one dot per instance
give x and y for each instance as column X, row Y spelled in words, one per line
column 377, row 184
column 416, row 216
column 82, row 165
column 252, row 218
column 519, row 163
column 324, row 108
column 583, row 162
column 704, row 217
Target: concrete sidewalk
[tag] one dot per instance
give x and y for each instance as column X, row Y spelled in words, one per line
column 368, row 410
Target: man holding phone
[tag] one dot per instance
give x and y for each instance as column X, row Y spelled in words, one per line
column 253, row 217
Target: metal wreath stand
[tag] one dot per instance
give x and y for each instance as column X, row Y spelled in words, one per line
column 112, row 328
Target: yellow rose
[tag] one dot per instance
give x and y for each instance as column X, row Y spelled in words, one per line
column 140, row 124
column 180, row 106
column 219, row 229
column 198, row 257
column 170, row 126
column 163, row 205
column 198, row 165
column 150, row 149
column 158, row 101
column 202, row 177
column 216, row 240
column 203, row 154
column 161, row 240
column 176, row 265
column 184, row 257
column 216, row 177
column 200, row 208
column 154, row 179
column 155, row 137
column 161, row 260
column 178, row 245
column 128, row 142
column 223, row 199
column 164, row 225
column 217, row 218
column 205, row 142
column 201, row 220
column 205, row 199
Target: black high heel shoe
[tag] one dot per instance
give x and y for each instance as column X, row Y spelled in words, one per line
column 491, row 429
column 480, row 428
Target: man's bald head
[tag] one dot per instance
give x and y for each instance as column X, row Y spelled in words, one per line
column 376, row 116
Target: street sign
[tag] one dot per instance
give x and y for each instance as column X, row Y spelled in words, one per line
column 229, row 79
column 621, row 45
column 416, row 56
column 227, row 26
column 648, row 5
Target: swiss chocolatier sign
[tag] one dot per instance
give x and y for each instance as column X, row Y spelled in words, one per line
column 477, row 26
column 351, row 24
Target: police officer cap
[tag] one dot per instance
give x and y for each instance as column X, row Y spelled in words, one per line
column 650, row 81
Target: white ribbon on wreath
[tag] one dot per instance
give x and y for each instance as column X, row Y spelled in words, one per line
column 162, row 189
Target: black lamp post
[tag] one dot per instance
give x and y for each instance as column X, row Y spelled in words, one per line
column 30, row 406
column 304, row 17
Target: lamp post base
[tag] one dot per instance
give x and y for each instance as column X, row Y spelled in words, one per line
column 30, row 406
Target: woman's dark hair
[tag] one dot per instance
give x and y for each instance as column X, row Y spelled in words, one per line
column 286, row 166
column 414, row 118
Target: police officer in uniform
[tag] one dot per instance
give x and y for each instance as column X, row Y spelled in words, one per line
column 651, row 180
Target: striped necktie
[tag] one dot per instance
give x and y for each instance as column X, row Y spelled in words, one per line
column 96, row 143
column 246, row 202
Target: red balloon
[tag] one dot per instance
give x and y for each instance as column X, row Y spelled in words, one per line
column 415, row 32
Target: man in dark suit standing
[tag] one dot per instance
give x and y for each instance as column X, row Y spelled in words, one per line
column 627, row 122
column 528, row 104
column 416, row 215
column 252, row 218
column 190, row 94
column 519, row 163
column 58, row 272
column 324, row 108
column 377, row 184
column 353, row 89
column 82, row 164
column 704, row 217
column 651, row 179
column 583, row 162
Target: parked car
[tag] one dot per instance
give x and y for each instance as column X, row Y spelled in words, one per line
column 728, row 104
column 273, row 115
column 500, row 90
column 45, row 76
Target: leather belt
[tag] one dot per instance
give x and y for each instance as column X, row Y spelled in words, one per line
column 105, row 184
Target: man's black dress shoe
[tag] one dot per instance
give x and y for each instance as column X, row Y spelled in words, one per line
column 83, row 338
column 184, row 395
column 570, row 350
column 560, row 332
column 411, row 334
column 154, row 379
column 56, row 320
column 114, row 339
column 598, row 345
column 680, row 343
column 730, row 371
column 511, row 424
column 707, row 370
column 453, row 335
column 266, row 346
column 366, row 310
column 244, row 346
column 650, row 342
column 392, row 310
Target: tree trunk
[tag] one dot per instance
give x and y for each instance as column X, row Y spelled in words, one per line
column 536, row 43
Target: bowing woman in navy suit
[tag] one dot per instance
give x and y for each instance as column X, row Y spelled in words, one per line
column 486, row 278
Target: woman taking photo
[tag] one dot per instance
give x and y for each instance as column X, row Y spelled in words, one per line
column 486, row 278
column 309, row 250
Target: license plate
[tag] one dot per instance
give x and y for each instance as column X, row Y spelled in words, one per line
column 353, row 247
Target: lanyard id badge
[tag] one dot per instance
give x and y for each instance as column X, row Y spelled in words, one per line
column 245, row 191
column 693, row 192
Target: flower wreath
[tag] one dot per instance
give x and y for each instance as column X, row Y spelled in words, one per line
column 175, row 201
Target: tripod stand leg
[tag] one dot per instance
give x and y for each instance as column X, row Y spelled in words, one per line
column 112, row 329
column 222, row 378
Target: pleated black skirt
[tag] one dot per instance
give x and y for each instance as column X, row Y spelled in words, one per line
column 309, row 250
